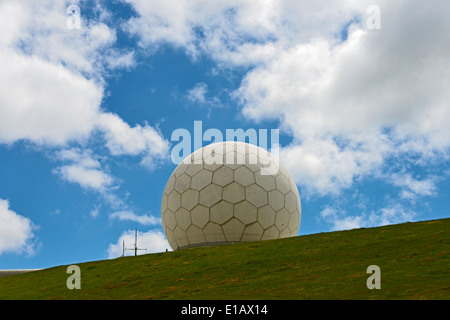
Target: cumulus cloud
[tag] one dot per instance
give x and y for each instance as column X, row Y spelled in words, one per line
column 236, row 32
column 412, row 188
column 349, row 96
column 122, row 139
column 43, row 102
column 198, row 96
column 90, row 178
column 350, row 105
column 84, row 169
column 41, row 29
column 52, row 80
column 131, row 216
column 16, row 231
column 330, row 98
column 198, row 93
column 53, row 83
column 340, row 219
column 323, row 167
column 87, row 169
column 152, row 240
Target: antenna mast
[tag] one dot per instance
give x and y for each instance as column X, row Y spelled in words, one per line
column 135, row 245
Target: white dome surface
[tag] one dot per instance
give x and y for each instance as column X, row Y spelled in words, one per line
column 229, row 192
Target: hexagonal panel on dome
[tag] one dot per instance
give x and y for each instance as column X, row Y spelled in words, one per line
column 291, row 201
column 245, row 212
column 171, row 238
column 195, row 235
column 256, row 195
column 200, row 215
column 283, row 184
column 210, row 195
column 221, row 212
column 169, row 220
column 252, row 232
column 282, row 219
column 182, row 183
column 266, row 216
column 189, row 199
column 213, row 233
column 267, row 182
column 214, row 202
column 276, row 199
column 193, row 169
column 201, row 179
column 164, row 203
column 233, row 230
column 174, row 200
column 223, row 176
column 181, row 238
column 285, row 233
column 183, row 218
column 233, row 192
column 244, row 176
column 294, row 222
column 270, row 233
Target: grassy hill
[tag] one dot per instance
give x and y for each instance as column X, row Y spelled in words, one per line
column 413, row 258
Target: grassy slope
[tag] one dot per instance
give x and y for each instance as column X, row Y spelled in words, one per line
column 413, row 258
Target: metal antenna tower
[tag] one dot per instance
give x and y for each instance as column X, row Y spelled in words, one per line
column 135, row 246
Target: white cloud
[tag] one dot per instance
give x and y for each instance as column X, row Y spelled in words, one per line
column 52, row 80
column 86, row 177
column 350, row 105
column 83, row 167
column 43, row 102
column 117, row 60
column 16, row 231
column 198, row 93
column 394, row 213
column 236, row 32
column 227, row 30
column 44, row 98
column 152, row 240
column 84, row 170
column 130, row 215
column 83, row 158
column 95, row 212
column 413, row 188
column 323, row 167
column 340, row 219
column 121, row 139
column 40, row 29
column 349, row 102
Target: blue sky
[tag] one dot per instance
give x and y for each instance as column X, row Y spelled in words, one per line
column 87, row 114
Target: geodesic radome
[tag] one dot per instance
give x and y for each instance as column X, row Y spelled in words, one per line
column 229, row 192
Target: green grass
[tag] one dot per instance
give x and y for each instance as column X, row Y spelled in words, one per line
column 413, row 258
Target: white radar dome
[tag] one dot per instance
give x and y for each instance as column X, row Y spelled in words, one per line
column 229, row 192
